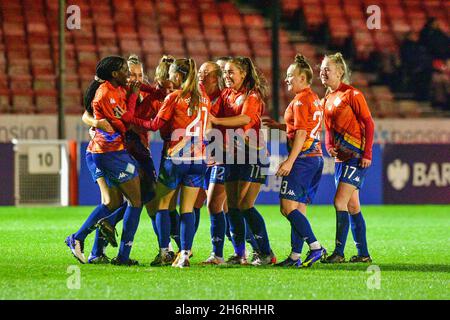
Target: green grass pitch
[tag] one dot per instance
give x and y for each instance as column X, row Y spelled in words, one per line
column 409, row 244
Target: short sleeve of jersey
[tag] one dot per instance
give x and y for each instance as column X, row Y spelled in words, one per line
column 301, row 114
column 252, row 107
column 168, row 107
column 104, row 109
column 359, row 105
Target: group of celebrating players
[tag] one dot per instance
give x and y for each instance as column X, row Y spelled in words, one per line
column 219, row 105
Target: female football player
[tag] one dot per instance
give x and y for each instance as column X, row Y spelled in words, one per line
column 349, row 138
column 182, row 122
column 243, row 107
column 108, row 152
column 302, row 170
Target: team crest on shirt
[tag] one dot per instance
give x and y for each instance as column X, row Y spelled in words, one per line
column 112, row 101
column 337, row 101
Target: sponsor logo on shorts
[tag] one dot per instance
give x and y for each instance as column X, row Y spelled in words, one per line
column 291, row 193
column 123, row 175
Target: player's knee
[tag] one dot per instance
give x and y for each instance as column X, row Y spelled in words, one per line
column 214, row 207
column 111, row 204
column 136, row 202
column 284, row 211
column 244, row 205
column 340, row 204
column 353, row 208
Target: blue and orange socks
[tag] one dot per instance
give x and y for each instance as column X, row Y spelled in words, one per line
column 237, row 231
column 217, row 231
column 342, row 225
column 163, row 228
column 175, row 227
column 359, row 233
column 258, row 226
column 88, row 226
column 130, row 225
column 187, row 230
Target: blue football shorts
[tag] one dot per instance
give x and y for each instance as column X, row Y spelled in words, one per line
column 96, row 173
column 303, row 181
column 188, row 174
column 350, row 172
column 117, row 166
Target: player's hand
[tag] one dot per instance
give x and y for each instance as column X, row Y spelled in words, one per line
column 332, row 152
column 212, row 119
column 118, row 112
column 365, row 163
column 272, row 124
column 104, row 125
column 135, row 86
column 284, row 169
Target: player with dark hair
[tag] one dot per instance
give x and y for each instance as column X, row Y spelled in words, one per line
column 243, row 107
column 349, row 138
column 108, row 152
column 302, row 170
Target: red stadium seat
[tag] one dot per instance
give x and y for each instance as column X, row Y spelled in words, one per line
column 240, row 49
column 236, row 34
column 46, row 101
column 218, row 48
column 44, row 82
column 211, row 20
column 42, row 67
column 5, row 105
column 22, row 101
column 189, row 19
column 231, row 20
column 213, row 34
column 254, row 21
column 196, row 48
column 151, row 46
column 193, row 33
column 175, row 48
column 73, row 103
column 228, row 7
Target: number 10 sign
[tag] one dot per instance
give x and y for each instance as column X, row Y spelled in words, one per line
column 43, row 159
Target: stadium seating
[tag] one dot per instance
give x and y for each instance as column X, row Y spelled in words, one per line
column 202, row 29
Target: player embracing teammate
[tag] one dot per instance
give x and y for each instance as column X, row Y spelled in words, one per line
column 237, row 169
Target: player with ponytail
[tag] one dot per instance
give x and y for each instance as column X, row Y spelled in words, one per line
column 243, row 101
column 302, row 170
